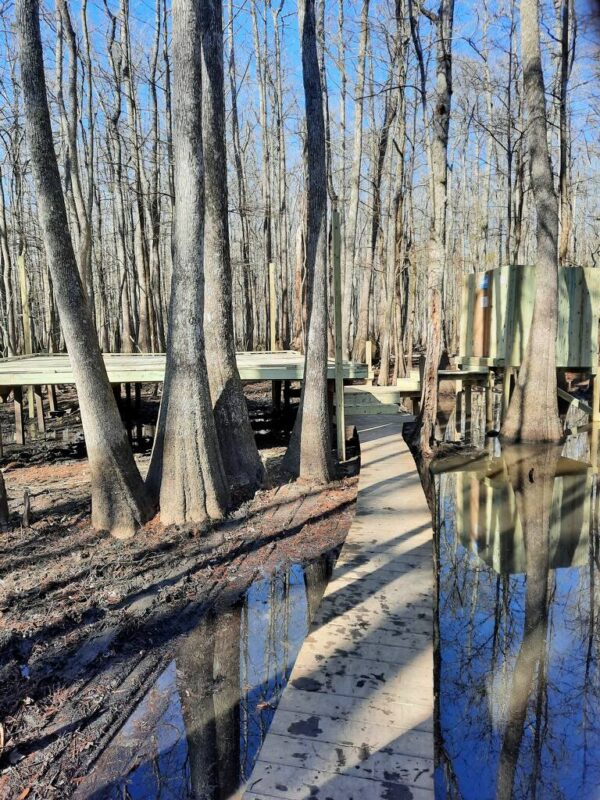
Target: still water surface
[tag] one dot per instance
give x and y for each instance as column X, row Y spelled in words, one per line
column 198, row 730
column 518, row 640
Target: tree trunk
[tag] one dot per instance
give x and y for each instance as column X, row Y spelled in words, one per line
column 533, row 411
column 309, row 451
column 366, row 289
column 436, row 251
column 119, row 500
column 351, row 226
column 248, row 327
column 261, row 76
column 154, row 200
column 74, row 174
column 567, row 54
column 145, row 310
column 238, row 449
column 6, row 262
column 186, row 470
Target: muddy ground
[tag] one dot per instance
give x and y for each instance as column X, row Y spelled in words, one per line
column 87, row 622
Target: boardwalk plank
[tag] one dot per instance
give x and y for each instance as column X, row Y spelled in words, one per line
column 356, row 719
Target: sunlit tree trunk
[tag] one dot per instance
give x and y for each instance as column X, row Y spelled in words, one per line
column 119, row 500
column 238, row 449
column 351, row 217
column 186, row 471
column 309, row 451
column 533, row 411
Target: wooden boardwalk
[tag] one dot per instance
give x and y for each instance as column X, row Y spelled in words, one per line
column 55, row 368
column 356, row 719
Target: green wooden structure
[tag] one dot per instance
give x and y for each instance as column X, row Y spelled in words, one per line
column 497, row 307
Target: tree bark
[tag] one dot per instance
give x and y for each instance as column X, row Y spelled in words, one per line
column 436, row 251
column 533, row 411
column 119, row 500
column 241, row 460
column 248, row 326
column 309, row 451
column 186, row 471
column 74, row 173
column 351, row 227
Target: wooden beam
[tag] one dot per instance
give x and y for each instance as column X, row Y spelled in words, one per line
column 506, row 391
column 276, row 396
column 575, row 401
column 596, row 398
column 39, row 408
column 340, row 422
column 489, row 400
column 52, row 404
column 468, row 410
column 369, row 360
column 55, row 369
column 139, row 428
column 19, row 423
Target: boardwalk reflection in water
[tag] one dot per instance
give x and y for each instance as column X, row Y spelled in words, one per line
column 517, row 640
column 198, row 730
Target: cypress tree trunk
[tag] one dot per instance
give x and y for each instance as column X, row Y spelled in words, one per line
column 533, row 412
column 351, row 225
column 238, row 449
column 186, row 471
column 119, row 500
column 309, row 451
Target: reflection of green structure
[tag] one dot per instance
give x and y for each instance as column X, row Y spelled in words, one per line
column 488, row 523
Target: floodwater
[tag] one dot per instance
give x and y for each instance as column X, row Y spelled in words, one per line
column 517, row 632
column 198, row 730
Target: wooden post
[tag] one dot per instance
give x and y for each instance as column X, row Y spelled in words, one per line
column 4, row 514
column 19, row 426
column 139, row 428
column 468, row 409
column 39, row 409
column 369, row 360
column 26, row 318
column 458, row 413
column 594, row 447
column 489, row 400
column 272, row 307
column 340, row 421
column 596, row 398
column 506, row 387
column 276, row 396
column 52, row 404
column 286, row 395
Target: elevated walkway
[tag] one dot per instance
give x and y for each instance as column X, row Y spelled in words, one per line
column 356, row 718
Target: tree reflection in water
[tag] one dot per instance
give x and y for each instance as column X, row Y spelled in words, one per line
column 198, row 730
column 518, row 706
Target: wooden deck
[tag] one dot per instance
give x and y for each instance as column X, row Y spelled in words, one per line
column 53, row 369
column 50, row 370
column 356, row 719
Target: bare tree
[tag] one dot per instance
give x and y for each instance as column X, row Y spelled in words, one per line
column 533, row 411
column 309, row 451
column 438, row 167
column 186, row 471
column 119, row 500
column 351, row 225
column 238, row 449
